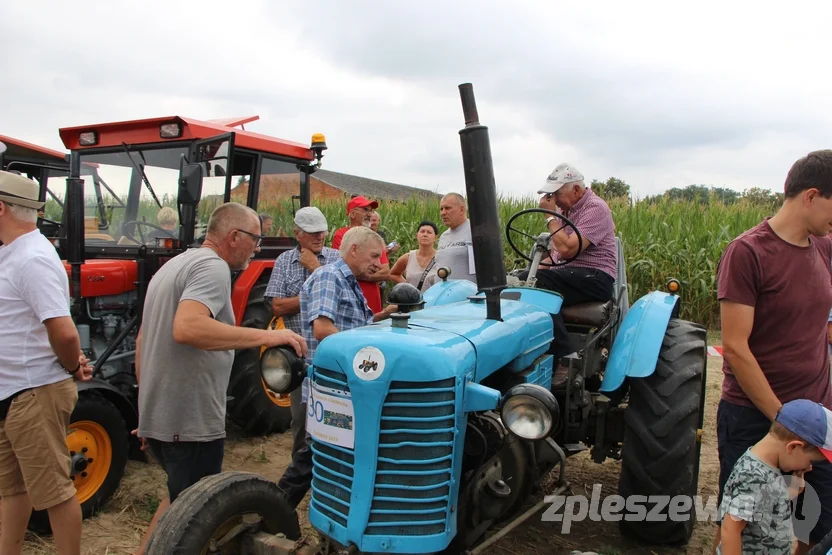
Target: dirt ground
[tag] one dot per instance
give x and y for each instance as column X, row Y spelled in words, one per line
column 119, row 528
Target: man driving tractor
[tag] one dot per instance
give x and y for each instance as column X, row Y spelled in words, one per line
column 591, row 276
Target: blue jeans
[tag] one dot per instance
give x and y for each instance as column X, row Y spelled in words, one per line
column 737, row 429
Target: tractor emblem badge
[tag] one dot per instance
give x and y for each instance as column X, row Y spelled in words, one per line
column 368, row 363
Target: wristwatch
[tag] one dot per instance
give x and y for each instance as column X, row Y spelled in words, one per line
column 74, row 371
column 549, row 219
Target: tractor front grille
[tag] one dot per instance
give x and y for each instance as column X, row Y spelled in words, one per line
column 332, row 466
column 415, row 457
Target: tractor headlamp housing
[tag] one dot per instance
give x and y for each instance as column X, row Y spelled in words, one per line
column 170, row 130
column 529, row 411
column 282, row 370
column 88, row 138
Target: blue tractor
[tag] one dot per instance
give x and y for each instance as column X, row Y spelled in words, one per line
column 434, row 428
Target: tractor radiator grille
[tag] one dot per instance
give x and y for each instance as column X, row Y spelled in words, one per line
column 415, row 456
column 332, row 466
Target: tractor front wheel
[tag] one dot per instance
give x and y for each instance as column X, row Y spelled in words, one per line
column 98, row 445
column 254, row 407
column 213, row 515
column 662, row 440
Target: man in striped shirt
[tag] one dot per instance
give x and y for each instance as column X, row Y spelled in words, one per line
column 591, row 276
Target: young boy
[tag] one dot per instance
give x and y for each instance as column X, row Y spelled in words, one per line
column 755, row 511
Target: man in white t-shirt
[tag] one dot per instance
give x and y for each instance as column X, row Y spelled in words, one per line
column 456, row 247
column 39, row 356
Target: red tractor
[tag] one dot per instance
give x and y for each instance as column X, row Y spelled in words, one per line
column 120, row 176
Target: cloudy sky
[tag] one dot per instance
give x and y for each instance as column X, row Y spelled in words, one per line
column 717, row 93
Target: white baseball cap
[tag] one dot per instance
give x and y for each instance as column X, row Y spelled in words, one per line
column 560, row 176
column 311, row 220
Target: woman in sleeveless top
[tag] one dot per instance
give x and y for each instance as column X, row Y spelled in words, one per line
column 413, row 267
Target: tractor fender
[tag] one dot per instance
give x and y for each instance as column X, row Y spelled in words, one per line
column 635, row 351
column 116, row 397
column 446, row 292
column 243, row 283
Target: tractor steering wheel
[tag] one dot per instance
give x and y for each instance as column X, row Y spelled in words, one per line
column 136, row 223
column 566, row 223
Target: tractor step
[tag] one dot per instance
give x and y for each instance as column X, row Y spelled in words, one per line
column 574, row 448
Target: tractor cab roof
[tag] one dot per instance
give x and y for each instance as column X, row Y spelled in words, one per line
column 21, row 150
column 177, row 128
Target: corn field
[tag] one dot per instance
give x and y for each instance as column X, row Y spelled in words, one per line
column 662, row 239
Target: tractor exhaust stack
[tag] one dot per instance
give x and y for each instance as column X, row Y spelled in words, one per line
column 481, row 193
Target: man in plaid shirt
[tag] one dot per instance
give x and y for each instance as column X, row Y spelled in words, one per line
column 331, row 300
column 591, row 276
column 291, row 269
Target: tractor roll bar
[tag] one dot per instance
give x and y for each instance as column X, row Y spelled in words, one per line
column 74, row 209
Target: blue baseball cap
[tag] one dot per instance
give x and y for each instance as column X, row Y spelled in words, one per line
column 809, row 420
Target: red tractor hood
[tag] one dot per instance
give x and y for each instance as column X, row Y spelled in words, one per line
column 100, row 278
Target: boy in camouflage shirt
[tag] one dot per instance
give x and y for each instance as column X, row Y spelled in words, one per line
column 756, row 504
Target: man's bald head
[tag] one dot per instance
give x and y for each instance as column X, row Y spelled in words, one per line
column 454, row 198
column 234, row 233
column 230, row 216
column 452, row 210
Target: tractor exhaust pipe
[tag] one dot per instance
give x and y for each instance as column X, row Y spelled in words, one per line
column 481, row 192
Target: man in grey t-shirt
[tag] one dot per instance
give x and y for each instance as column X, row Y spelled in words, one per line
column 456, row 247
column 185, row 350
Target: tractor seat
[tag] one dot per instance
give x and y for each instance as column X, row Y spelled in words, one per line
column 593, row 315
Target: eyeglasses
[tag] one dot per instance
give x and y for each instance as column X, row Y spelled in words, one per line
column 258, row 239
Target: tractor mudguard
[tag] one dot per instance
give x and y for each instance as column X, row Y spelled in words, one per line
column 243, row 284
column 639, row 339
column 446, row 292
column 116, row 397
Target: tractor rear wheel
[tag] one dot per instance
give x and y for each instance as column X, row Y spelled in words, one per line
column 253, row 407
column 98, row 444
column 218, row 506
column 662, row 439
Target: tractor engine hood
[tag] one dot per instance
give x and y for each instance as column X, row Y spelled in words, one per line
column 441, row 342
column 396, row 354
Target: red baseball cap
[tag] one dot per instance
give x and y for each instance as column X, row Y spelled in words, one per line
column 360, row 202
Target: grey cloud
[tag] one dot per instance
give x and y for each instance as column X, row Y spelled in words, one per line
column 624, row 112
column 536, row 68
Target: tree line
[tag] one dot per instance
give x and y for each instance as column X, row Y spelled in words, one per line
column 615, row 188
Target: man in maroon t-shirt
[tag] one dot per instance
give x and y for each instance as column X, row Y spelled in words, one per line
column 774, row 286
column 359, row 210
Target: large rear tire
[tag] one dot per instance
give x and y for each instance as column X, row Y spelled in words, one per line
column 662, row 438
column 253, row 407
column 99, row 444
column 214, row 506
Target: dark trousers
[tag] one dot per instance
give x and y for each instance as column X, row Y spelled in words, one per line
column 577, row 286
column 297, row 478
column 738, row 428
column 187, row 462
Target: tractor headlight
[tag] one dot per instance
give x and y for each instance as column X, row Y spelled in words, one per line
column 529, row 411
column 281, row 369
column 88, row 138
column 170, row 130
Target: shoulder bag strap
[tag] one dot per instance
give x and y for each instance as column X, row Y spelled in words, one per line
column 425, row 273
